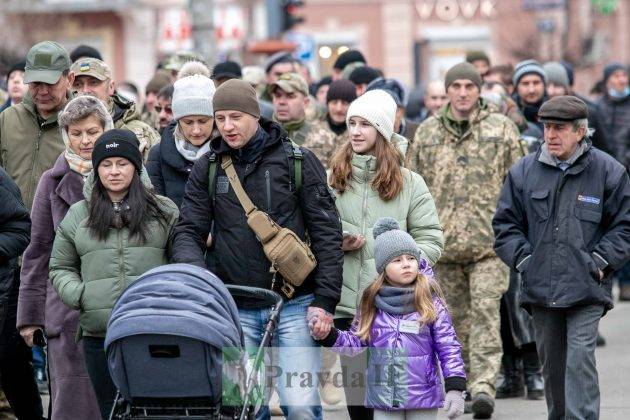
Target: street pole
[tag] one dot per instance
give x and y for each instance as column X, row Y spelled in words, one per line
column 201, row 14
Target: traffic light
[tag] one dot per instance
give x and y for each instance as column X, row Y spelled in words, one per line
column 289, row 10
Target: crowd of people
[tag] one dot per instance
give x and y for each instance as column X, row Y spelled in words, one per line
column 474, row 233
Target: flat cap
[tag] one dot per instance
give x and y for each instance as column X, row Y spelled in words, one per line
column 562, row 109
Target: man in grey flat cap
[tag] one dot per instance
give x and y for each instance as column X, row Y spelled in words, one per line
column 563, row 222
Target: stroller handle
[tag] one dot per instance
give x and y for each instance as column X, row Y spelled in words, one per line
column 265, row 296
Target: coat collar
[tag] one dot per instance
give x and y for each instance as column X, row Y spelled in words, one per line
column 168, row 150
column 69, row 183
column 579, row 160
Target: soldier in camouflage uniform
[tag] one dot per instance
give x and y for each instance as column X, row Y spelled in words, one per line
column 340, row 95
column 464, row 153
column 290, row 101
column 94, row 77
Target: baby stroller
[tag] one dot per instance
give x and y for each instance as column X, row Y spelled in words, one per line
column 167, row 338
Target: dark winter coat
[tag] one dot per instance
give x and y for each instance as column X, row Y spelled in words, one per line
column 167, row 168
column 39, row 305
column 616, row 117
column 15, row 229
column 596, row 122
column 558, row 229
column 236, row 256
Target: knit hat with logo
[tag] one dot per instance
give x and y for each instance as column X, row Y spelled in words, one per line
column 117, row 143
column 391, row 242
column 378, row 108
column 192, row 95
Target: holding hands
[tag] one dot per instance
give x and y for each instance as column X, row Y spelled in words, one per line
column 454, row 404
column 319, row 322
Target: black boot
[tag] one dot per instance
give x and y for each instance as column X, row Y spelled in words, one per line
column 512, row 385
column 533, row 376
column 482, row 406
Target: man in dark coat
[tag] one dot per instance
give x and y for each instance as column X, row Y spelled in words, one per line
column 16, row 371
column 264, row 161
column 563, row 222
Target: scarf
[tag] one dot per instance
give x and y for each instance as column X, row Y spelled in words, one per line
column 76, row 162
column 338, row 129
column 189, row 151
column 254, row 148
column 395, row 300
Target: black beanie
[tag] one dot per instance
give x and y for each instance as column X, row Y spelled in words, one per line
column 363, row 75
column 342, row 89
column 611, row 68
column 117, row 143
column 85, row 51
column 347, row 57
column 19, row 66
column 326, row 80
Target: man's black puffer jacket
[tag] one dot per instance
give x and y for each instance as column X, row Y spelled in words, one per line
column 236, row 256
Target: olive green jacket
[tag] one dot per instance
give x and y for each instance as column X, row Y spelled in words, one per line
column 29, row 145
column 90, row 274
column 360, row 207
column 126, row 115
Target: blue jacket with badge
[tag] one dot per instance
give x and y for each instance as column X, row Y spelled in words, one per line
column 560, row 228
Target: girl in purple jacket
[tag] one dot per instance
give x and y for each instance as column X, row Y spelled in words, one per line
column 404, row 322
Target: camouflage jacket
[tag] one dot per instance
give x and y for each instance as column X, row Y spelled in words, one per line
column 315, row 138
column 126, row 115
column 338, row 139
column 464, row 165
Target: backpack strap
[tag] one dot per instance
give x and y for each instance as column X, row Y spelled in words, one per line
column 212, row 174
column 297, row 163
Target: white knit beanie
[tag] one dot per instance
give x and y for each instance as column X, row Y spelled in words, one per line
column 378, row 108
column 192, row 95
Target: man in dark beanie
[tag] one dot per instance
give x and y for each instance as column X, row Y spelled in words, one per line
column 289, row 184
column 529, row 80
column 320, row 89
column 222, row 72
column 340, row 95
column 346, row 58
column 563, row 222
column 615, row 107
column 85, row 51
column 363, row 76
column 480, row 60
column 464, row 153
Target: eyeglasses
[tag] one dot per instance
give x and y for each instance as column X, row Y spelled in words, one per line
column 166, row 109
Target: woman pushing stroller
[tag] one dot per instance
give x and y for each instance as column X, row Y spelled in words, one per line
column 404, row 321
column 118, row 232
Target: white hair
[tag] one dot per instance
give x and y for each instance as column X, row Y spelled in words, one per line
column 583, row 123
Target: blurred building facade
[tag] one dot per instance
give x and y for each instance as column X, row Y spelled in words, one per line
column 413, row 40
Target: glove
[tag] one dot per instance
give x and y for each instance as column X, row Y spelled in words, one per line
column 454, row 404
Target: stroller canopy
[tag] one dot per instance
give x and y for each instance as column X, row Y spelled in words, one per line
column 177, row 299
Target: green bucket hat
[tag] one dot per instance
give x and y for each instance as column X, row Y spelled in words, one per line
column 45, row 62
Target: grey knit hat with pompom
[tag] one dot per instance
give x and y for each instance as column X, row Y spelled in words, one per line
column 391, row 242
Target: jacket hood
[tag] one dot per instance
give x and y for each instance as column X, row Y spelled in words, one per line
column 29, row 105
column 273, row 129
column 401, row 142
column 88, row 186
column 124, row 109
column 581, row 160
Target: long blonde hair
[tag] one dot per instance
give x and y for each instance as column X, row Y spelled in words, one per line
column 424, row 291
column 388, row 181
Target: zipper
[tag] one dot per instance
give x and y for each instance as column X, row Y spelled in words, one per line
column 363, row 216
column 34, row 162
column 268, row 184
column 121, row 260
column 556, row 226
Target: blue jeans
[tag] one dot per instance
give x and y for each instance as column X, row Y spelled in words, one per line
column 296, row 358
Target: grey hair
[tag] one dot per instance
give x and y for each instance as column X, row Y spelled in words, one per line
column 82, row 107
column 583, row 123
column 191, row 68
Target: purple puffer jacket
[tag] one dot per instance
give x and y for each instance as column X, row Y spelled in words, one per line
column 402, row 370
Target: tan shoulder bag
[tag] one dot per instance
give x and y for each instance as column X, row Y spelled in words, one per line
column 288, row 254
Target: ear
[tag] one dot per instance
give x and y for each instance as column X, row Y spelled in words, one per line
column 111, row 87
column 70, row 79
column 307, row 100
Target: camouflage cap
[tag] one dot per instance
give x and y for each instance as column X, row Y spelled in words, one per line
column 93, row 67
column 562, row 109
column 45, row 62
column 290, row 82
column 177, row 60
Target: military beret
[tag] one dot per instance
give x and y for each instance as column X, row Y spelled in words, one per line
column 562, row 109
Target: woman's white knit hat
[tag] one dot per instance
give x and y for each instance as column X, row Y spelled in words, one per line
column 192, row 95
column 378, row 108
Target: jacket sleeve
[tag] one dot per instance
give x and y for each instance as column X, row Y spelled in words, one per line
column 65, row 263
column 346, row 343
column 154, row 169
column 324, row 229
column 15, row 223
column 448, row 349
column 510, row 225
column 423, row 223
column 34, row 274
column 195, row 221
column 516, row 150
column 613, row 247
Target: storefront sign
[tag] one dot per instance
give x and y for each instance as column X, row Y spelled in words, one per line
column 449, row 10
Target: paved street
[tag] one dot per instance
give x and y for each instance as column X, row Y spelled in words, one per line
column 613, row 363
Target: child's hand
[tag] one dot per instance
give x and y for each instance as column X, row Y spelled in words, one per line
column 454, row 404
column 319, row 322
